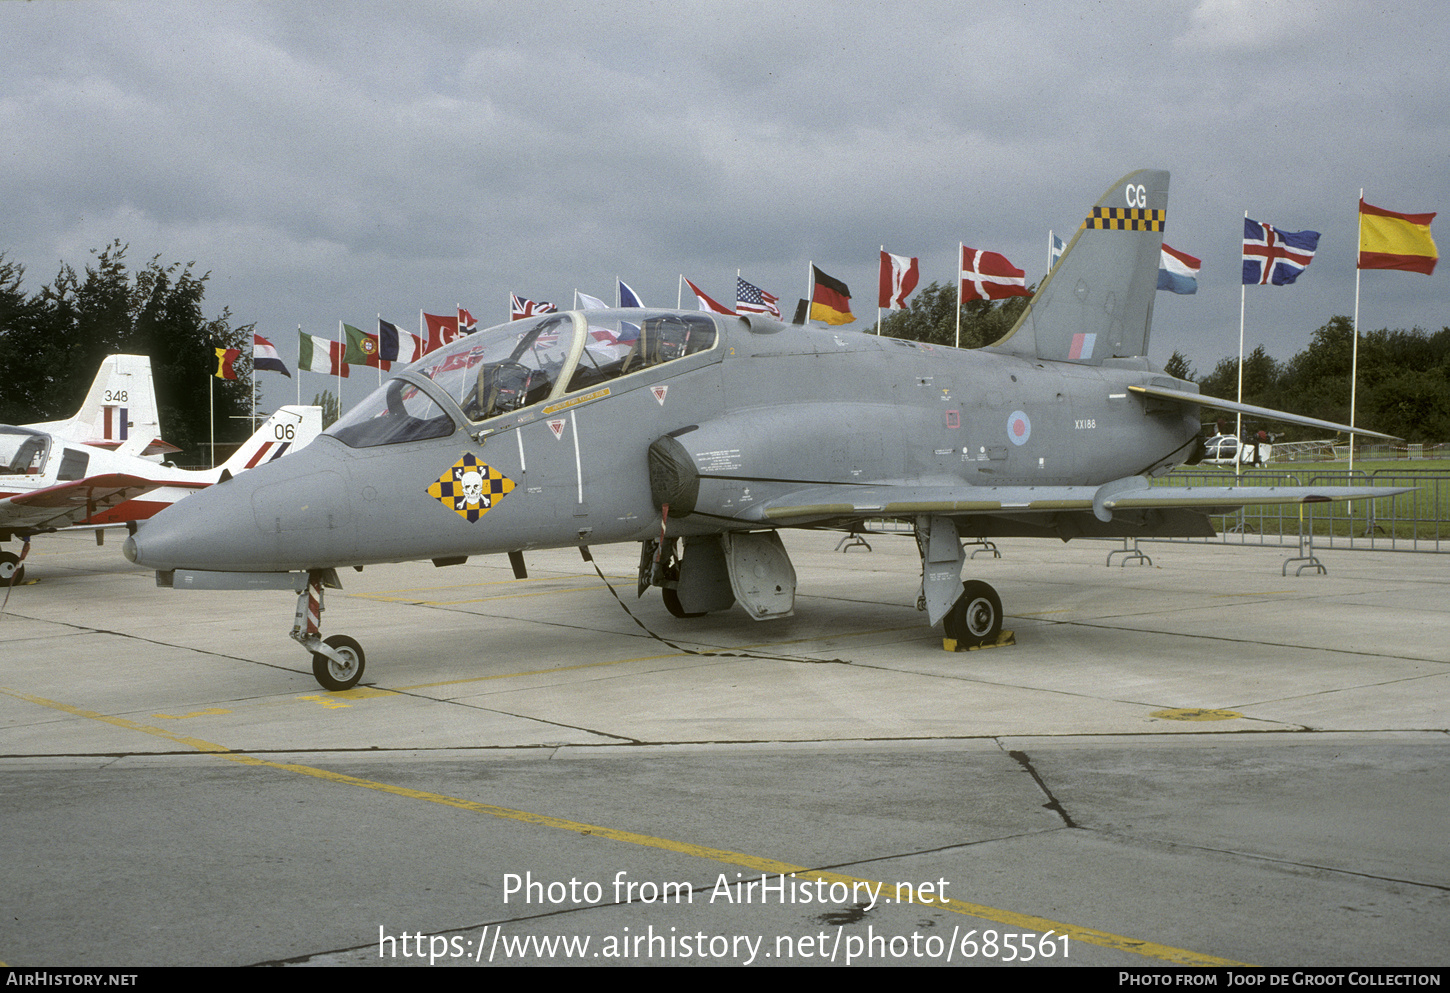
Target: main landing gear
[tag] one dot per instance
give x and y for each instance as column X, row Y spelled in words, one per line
column 970, row 613
column 12, row 572
column 337, row 661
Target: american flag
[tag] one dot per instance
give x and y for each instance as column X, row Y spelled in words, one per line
column 519, row 308
column 1273, row 256
column 751, row 299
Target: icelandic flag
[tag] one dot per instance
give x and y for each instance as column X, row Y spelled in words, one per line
column 1273, row 256
column 1178, row 271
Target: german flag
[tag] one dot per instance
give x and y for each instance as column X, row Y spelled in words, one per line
column 830, row 300
column 225, row 357
column 1388, row 240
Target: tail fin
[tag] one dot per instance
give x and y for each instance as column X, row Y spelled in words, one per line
column 119, row 411
column 1097, row 302
column 289, row 429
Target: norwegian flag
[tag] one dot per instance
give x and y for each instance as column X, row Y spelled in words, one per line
column 1273, row 256
column 989, row 276
column 467, row 324
column 519, row 308
column 751, row 299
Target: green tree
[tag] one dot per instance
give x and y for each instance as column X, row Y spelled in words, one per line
column 931, row 316
column 328, row 402
column 52, row 343
column 1177, row 366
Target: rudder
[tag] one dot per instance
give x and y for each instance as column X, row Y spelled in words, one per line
column 1097, row 302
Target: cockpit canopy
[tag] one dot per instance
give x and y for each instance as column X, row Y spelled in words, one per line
column 22, row 451
column 517, row 365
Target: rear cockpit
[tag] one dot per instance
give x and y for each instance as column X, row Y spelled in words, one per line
column 525, row 364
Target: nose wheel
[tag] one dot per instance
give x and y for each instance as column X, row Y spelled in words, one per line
column 342, row 667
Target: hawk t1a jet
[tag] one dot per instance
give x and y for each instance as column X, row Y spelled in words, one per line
column 700, row 436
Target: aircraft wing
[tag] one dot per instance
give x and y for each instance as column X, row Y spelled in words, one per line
column 72, row 503
column 857, row 502
column 1199, row 400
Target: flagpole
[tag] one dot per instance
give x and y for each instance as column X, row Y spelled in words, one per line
column 1239, row 416
column 339, row 366
column 680, row 292
column 211, row 409
column 810, row 293
column 1354, row 354
column 960, row 246
column 299, row 365
column 878, row 294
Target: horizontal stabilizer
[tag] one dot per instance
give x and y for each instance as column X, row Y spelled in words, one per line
column 1199, row 400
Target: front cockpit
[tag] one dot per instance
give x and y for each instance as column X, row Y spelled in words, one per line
column 521, row 365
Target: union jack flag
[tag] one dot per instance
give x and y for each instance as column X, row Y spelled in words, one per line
column 1273, row 256
column 751, row 299
column 519, row 308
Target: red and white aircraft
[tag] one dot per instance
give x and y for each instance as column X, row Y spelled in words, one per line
column 52, row 479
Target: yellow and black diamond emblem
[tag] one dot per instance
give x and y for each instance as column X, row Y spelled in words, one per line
column 470, row 488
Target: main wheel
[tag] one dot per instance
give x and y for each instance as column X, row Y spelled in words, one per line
column 332, row 675
column 11, row 571
column 976, row 618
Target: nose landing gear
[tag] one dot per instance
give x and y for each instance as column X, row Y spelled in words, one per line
column 337, row 661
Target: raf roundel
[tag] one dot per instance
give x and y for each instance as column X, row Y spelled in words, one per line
column 470, row 488
column 1019, row 428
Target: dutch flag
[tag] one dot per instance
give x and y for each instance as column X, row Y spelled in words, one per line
column 1178, row 271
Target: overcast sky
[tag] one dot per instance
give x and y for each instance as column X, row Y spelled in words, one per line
column 337, row 161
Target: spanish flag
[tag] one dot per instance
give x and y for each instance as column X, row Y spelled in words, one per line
column 1388, row 240
column 830, row 300
column 224, row 359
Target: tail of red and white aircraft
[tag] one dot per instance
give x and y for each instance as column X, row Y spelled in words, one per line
column 119, row 412
column 289, row 429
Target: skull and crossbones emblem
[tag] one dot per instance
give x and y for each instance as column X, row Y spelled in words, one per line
column 470, row 488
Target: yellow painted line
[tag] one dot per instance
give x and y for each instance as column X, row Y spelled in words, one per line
column 1091, row 936
column 120, row 722
column 1196, row 714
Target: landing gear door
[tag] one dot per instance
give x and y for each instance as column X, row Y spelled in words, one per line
column 760, row 574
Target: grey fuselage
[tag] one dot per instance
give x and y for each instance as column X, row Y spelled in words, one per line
column 767, row 411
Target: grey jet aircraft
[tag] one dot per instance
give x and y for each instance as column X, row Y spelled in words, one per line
column 700, row 436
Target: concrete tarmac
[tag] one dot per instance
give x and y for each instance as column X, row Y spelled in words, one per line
column 1196, row 761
